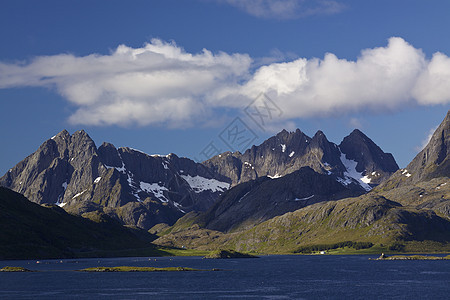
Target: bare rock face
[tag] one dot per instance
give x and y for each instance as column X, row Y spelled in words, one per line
column 139, row 189
column 43, row 176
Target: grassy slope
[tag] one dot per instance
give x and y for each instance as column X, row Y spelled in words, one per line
column 32, row 231
column 369, row 218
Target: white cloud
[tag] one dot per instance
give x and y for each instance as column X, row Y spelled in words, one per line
column 161, row 84
column 433, row 85
column 286, row 9
column 381, row 78
column 157, row 84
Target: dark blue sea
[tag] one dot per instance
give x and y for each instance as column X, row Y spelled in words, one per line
column 269, row 277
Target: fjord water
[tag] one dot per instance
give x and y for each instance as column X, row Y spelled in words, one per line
column 269, row 277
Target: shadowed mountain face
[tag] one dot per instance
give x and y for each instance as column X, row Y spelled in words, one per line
column 258, row 200
column 30, row 231
column 139, row 189
column 357, row 159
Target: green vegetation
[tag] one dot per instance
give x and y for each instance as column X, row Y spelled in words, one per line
column 325, row 247
column 413, row 257
column 14, row 269
column 397, row 247
column 138, row 269
column 182, row 252
column 222, row 254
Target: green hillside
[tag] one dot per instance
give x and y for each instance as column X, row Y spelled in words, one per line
column 31, row 231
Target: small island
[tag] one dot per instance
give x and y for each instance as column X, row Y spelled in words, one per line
column 224, row 254
column 14, row 269
column 411, row 257
column 138, row 269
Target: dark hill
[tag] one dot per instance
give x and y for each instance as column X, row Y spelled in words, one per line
column 31, row 231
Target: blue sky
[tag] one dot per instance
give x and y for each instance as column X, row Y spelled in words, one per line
column 135, row 73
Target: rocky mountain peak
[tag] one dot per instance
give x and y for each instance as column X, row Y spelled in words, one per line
column 433, row 161
column 319, row 140
column 323, row 155
column 63, row 135
column 372, row 162
column 110, row 155
column 287, row 152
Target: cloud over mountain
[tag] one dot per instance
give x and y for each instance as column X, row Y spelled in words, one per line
column 162, row 84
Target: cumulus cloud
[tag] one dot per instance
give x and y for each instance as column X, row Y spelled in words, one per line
column 156, row 84
column 161, row 84
column 286, row 9
column 381, row 78
column 433, row 84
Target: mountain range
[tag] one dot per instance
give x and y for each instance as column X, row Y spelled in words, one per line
column 144, row 190
column 410, row 210
column 289, row 191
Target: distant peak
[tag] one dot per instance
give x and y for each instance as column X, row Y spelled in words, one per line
column 318, row 134
column 357, row 132
column 107, row 145
column 62, row 133
column 447, row 117
column 80, row 132
column 284, row 132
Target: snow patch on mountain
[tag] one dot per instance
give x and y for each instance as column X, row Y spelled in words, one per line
column 306, row 198
column 274, row 176
column 178, row 205
column 248, row 165
column 79, row 194
column 156, row 189
column 366, row 179
column 200, row 184
column 137, row 150
column 283, row 148
column 406, row 173
column 352, row 174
